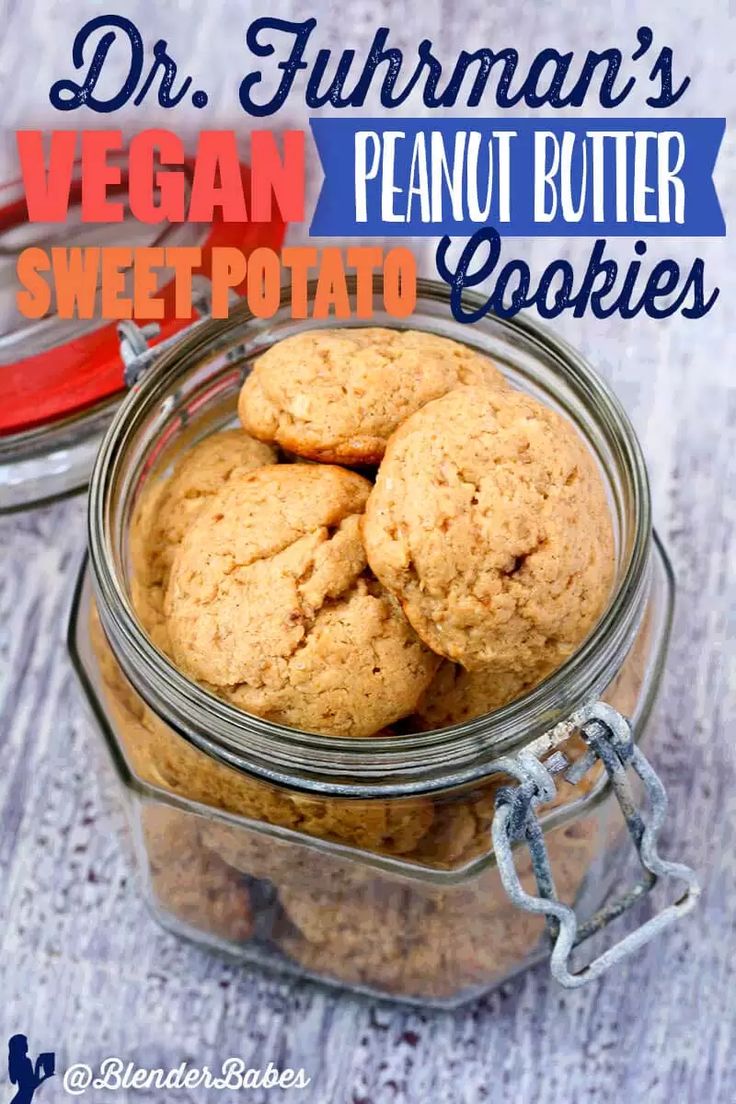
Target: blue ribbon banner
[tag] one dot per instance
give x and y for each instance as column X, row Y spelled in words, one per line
column 526, row 177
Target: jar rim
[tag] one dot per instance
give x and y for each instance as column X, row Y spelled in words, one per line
column 399, row 765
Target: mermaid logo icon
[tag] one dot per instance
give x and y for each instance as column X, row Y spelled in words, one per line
column 23, row 1073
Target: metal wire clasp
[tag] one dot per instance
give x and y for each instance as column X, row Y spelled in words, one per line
column 136, row 352
column 608, row 736
column 134, row 347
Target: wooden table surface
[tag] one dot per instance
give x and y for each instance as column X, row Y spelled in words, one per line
column 84, row 971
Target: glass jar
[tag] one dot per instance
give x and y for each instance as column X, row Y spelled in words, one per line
column 384, row 864
column 62, row 379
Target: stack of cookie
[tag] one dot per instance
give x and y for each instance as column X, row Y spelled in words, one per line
column 464, row 560
column 395, row 540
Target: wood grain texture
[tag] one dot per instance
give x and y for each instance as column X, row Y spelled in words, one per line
column 85, row 971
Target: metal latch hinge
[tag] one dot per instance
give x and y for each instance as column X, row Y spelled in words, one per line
column 609, row 739
column 134, row 347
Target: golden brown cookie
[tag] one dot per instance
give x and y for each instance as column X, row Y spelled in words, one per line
column 455, row 695
column 489, row 522
column 167, row 508
column 270, row 606
column 338, row 395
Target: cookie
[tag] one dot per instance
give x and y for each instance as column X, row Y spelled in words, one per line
column 122, row 694
column 167, row 508
column 455, row 695
column 271, row 607
column 164, row 758
column 460, row 831
column 390, row 827
column 489, row 522
column 338, row 395
column 413, row 939
column 188, row 881
column 158, row 755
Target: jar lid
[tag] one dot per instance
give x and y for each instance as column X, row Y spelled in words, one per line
column 61, row 379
